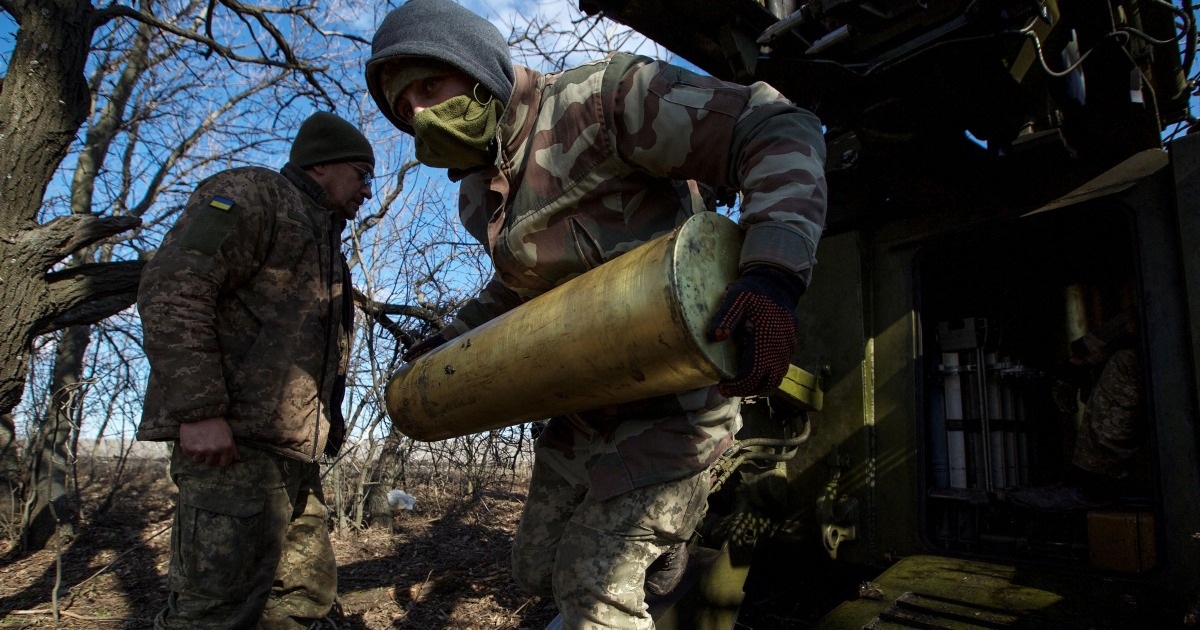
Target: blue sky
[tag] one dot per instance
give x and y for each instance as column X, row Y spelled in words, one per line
column 363, row 22
column 8, row 30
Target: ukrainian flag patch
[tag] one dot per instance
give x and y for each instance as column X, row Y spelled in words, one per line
column 221, row 203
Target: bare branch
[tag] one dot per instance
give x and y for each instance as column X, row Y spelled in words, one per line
column 104, row 129
column 88, row 294
column 208, row 18
column 260, row 14
column 387, row 324
column 350, row 36
column 371, row 220
column 185, row 145
column 114, row 11
column 61, row 237
column 371, row 307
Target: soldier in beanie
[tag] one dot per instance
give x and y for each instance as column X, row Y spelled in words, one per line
column 247, row 316
column 563, row 172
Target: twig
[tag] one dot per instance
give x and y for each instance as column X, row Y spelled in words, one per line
column 509, row 623
column 64, row 613
column 421, row 593
column 58, row 553
column 522, row 606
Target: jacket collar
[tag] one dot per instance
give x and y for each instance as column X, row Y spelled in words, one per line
column 521, row 113
column 313, row 190
column 518, row 122
column 304, row 182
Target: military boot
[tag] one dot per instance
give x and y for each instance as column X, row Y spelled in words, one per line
column 665, row 573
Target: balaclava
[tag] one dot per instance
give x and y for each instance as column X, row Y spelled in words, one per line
column 458, row 132
column 325, row 138
column 443, row 31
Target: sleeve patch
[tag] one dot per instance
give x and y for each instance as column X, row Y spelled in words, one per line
column 221, row 203
column 210, row 226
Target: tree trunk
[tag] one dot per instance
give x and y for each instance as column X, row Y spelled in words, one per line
column 44, row 102
column 384, row 474
column 10, row 464
column 51, row 502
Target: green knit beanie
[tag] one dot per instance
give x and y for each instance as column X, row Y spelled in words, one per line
column 325, row 138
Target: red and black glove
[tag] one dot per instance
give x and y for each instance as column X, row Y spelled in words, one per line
column 429, row 343
column 758, row 312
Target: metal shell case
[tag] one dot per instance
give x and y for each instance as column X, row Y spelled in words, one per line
column 633, row 328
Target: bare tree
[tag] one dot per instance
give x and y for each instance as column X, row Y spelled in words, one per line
column 414, row 265
column 153, row 92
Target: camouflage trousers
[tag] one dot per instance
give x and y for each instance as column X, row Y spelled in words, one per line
column 250, row 545
column 592, row 555
column 1112, row 431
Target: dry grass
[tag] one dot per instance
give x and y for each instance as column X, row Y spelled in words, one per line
column 442, row 566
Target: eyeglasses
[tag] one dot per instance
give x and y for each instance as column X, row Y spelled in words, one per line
column 364, row 175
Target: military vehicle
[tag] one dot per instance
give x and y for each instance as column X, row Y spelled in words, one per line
column 1006, row 201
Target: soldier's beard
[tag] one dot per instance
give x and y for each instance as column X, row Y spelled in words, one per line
column 457, row 133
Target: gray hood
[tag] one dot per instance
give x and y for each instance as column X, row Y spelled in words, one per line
column 447, row 32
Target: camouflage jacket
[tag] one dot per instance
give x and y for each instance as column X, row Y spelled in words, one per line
column 246, row 315
column 597, row 160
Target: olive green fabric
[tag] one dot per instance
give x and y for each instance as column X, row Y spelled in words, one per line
column 325, row 138
column 567, row 538
column 446, row 31
column 396, row 76
column 257, row 331
column 250, row 547
column 457, row 133
column 214, row 222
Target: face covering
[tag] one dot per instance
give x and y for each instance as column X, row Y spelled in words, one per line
column 457, row 133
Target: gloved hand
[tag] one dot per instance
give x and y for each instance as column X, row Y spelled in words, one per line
column 429, row 343
column 758, row 313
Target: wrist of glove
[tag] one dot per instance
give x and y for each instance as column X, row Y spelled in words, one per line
column 429, row 343
column 757, row 312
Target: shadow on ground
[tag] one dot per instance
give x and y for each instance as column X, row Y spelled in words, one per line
column 444, row 572
column 107, row 571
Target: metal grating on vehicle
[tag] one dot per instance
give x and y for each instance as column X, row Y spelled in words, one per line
column 914, row 610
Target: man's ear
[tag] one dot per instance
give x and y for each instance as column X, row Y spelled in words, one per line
column 319, row 172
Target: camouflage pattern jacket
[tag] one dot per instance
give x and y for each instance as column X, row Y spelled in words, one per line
column 246, row 313
column 597, row 160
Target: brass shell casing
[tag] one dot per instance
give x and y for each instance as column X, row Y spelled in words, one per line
column 633, row 328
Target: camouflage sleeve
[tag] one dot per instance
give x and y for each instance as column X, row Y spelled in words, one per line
column 212, row 246
column 675, row 123
column 495, row 298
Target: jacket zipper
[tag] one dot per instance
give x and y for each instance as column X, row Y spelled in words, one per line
column 328, row 262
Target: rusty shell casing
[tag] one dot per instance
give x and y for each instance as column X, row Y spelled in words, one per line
column 633, row 328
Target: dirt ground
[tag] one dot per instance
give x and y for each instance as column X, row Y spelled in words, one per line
column 443, row 566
